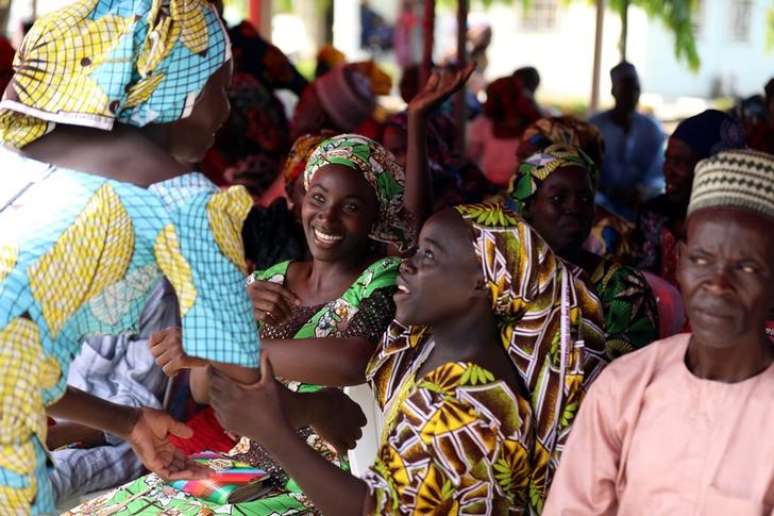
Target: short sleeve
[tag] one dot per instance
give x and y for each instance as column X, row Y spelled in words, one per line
column 202, row 256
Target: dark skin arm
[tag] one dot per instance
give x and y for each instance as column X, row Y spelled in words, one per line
column 332, row 490
column 145, row 429
column 331, row 361
column 441, row 85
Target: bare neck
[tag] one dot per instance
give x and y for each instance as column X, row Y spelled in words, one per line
column 123, row 154
column 747, row 358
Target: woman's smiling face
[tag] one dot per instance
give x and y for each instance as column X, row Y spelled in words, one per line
column 338, row 212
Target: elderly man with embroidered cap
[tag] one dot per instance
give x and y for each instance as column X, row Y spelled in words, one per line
column 631, row 171
column 684, row 425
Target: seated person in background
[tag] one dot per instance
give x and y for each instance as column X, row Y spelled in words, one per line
column 339, row 101
column 661, row 224
column 759, row 125
column 554, row 190
column 610, row 235
column 120, row 369
column 631, row 172
column 530, row 78
column 684, row 425
column 453, row 377
column 493, row 137
column 249, row 148
column 455, row 179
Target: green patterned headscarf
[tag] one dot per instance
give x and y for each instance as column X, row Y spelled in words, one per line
column 97, row 62
column 383, row 173
column 536, row 169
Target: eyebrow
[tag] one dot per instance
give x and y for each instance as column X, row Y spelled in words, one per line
column 434, row 244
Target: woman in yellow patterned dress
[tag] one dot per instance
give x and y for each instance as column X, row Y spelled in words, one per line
column 111, row 103
column 460, row 429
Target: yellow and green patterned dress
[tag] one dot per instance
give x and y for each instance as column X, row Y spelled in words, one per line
column 456, row 441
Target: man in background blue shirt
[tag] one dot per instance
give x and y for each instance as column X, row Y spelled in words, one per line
column 632, row 169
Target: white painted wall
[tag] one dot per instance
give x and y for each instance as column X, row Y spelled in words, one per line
column 564, row 55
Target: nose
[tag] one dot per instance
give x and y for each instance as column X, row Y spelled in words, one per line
column 719, row 281
column 407, row 265
column 328, row 213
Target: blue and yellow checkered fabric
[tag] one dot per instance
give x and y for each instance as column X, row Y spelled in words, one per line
column 78, row 256
column 98, row 62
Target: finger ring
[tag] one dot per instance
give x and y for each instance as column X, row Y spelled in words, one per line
column 249, row 280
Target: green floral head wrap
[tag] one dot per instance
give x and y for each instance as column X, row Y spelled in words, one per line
column 536, row 169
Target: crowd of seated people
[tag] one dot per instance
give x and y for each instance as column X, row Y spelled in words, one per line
column 565, row 317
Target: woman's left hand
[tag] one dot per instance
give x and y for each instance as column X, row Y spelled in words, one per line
column 253, row 411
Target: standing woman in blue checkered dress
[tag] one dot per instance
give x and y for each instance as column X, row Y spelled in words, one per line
column 111, row 104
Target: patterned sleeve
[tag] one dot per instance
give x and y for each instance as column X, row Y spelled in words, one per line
column 202, row 255
column 631, row 313
column 459, row 446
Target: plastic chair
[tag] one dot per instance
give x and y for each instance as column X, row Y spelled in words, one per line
column 364, row 453
column 671, row 310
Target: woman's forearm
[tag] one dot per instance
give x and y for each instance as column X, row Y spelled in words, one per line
column 81, row 407
column 330, row 361
column 419, row 194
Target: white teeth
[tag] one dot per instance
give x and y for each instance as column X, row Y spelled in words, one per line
column 326, row 238
column 403, row 289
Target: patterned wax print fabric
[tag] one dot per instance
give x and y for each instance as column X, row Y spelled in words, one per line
column 536, row 169
column 382, row 171
column 346, row 316
column 563, row 129
column 98, row 62
column 611, row 237
column 338, row 318
column 457, row 442
column 79, row 254
column 299, row 154
column 532, row 291
column 631, row 314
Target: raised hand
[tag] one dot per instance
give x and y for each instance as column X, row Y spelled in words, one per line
column 271, row 302
column 440, row 86
column 166, row 347
column 148, row 438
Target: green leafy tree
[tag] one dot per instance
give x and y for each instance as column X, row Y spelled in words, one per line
column 677, row 17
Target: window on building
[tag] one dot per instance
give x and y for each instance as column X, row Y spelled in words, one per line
column 540, row 15
column 741, row 19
